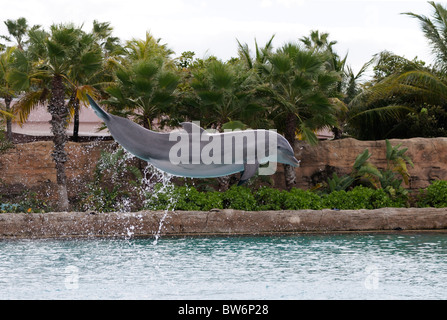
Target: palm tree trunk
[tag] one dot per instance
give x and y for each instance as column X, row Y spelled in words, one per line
column 8, row 100
column 76, row 120
column 224, row 183
column 338, row 133
column 289, row 134
column 59, row 116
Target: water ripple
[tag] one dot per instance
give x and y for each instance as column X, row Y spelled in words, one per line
column 380, row 266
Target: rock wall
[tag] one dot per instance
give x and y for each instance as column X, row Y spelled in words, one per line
column 217, row 223
column 317, row 163
column 30, row 166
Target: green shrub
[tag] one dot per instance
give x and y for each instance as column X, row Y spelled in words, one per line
column 26, row 202
column 337, row 200
column 242, row 198
column 270, row 199
column 361, row 198
column 162, row 198
column 435, row 195
column 189, row 199
column 10, row 208
column 208, row 200
column 298, row 199
column 239, row 198
column 183, row 198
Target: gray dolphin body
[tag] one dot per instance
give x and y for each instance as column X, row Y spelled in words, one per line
column 195, row 153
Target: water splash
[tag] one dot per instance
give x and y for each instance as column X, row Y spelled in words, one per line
column 152, row 189
column 158, row 183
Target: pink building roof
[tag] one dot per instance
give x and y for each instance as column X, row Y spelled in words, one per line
column 38, row 123
column 89, row 124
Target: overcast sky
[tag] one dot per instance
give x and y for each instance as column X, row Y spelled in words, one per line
column 210, row 27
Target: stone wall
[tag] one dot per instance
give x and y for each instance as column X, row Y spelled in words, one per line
column 146, row 224
column 428, row 155
column 30, row 166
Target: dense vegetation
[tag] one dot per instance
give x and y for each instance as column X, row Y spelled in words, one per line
column 243, row 198
column 297, row 88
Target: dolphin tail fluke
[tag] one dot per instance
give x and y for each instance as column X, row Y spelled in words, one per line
column 98, row 110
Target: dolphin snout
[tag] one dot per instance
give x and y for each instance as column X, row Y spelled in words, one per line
column 290, row 159
column 294, row 162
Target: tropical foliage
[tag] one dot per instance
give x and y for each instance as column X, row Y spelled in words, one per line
column 298, row 88
column 388, row 179
column 406, row 98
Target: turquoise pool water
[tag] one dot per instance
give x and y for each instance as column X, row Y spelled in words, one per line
column 348, row 266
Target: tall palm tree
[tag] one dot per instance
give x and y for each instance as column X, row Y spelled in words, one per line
column 6, row 91
column 297, row 86
column 87, row 63
column 18, row 30
column 46, row 71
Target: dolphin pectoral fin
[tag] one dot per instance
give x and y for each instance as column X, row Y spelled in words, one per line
column 249, row 171
column 98, row 110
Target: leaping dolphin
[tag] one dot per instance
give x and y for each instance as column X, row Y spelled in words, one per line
column 196, row 153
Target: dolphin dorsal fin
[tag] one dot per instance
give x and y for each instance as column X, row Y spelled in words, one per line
column 188, row 127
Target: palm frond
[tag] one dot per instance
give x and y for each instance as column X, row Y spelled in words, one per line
column 435, row 31
column 381, row 113
column 26, row 104
column 244, row 53
column 308, row 134
column 6, row 114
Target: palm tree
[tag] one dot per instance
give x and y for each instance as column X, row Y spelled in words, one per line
column 144, row 90
column 28, row 78
column 87, row 63
column 380, row 110
column 258, row 61
column 403, row 90
column 17, row 29
column 297, row 83
column 141, row 49
column 102, row 32
column 317, row 41
column 225, row 96
column 112, row 50
column 402, row 87
column 435, row 30
column 46, row 71
column 6, row 91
